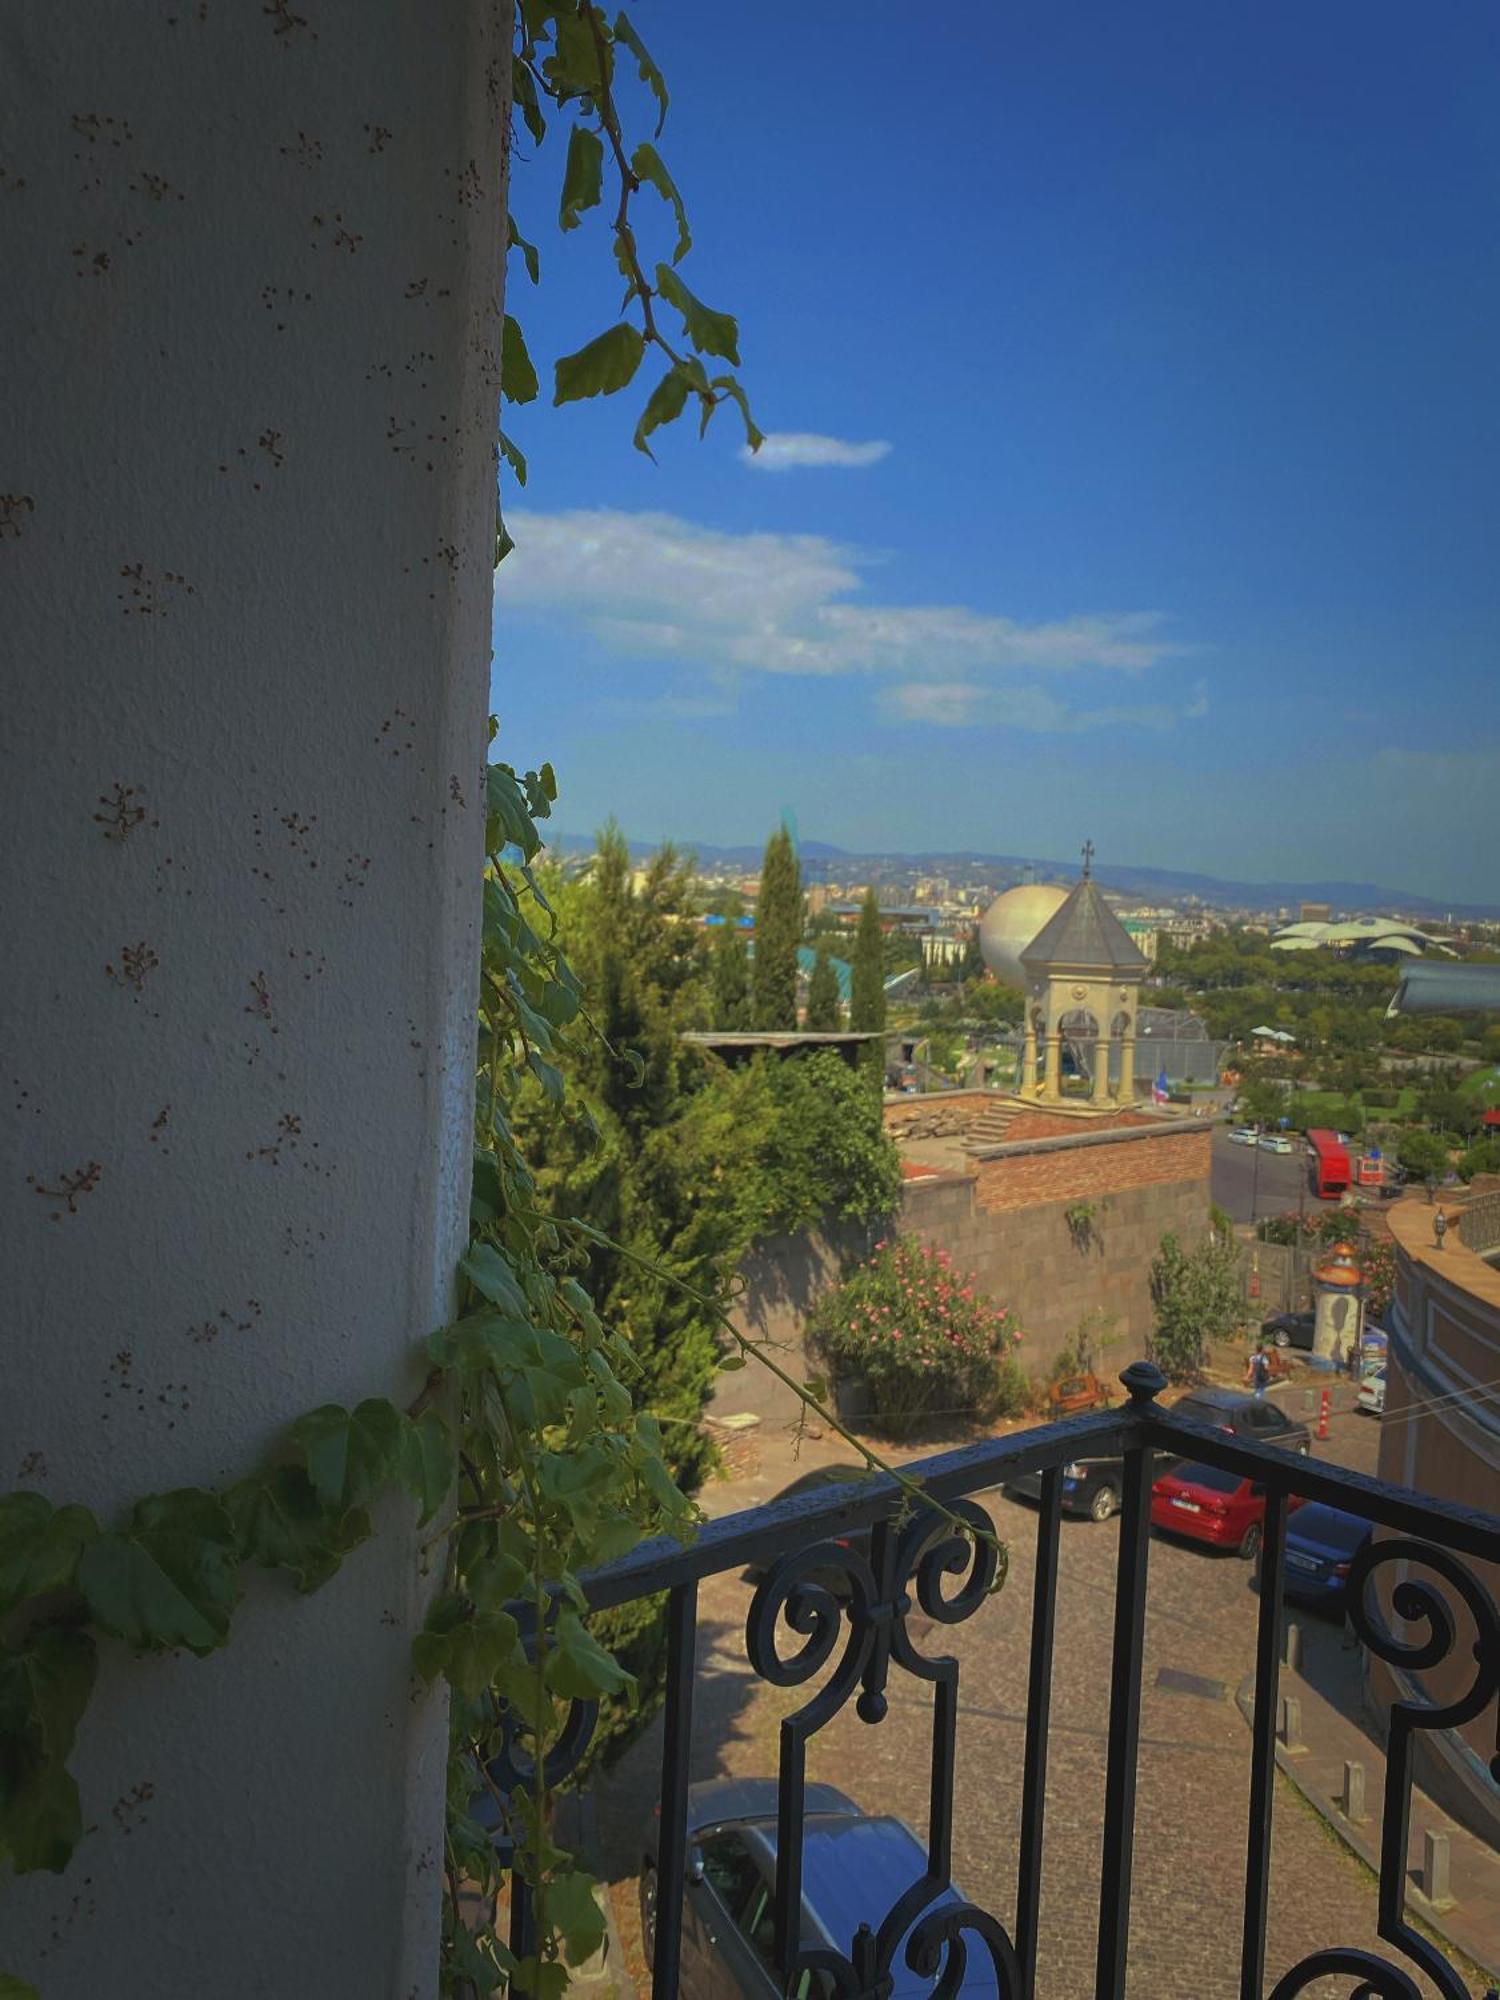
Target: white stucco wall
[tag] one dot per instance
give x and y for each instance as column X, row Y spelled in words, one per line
column 249, row 320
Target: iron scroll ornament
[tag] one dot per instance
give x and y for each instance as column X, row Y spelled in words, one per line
column 817, row 1591
column 1416, row 1601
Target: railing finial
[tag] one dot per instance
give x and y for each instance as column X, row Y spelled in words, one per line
column 1144, row 1381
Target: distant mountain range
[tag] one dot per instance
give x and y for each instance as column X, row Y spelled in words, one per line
column 1167, row 885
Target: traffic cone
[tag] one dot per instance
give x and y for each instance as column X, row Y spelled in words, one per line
column 1323, row 1402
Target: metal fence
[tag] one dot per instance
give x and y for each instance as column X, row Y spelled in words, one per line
column 828, row 1617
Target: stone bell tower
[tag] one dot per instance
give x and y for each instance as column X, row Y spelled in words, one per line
column 1082, row 962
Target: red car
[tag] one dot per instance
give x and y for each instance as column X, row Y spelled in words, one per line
column 1223, row 1509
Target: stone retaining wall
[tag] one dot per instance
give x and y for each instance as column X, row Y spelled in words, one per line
column 1007, row 1222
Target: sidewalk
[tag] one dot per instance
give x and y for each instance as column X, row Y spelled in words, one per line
column 1328, row 1688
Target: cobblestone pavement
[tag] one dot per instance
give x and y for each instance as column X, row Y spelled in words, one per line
column 1192, row 1797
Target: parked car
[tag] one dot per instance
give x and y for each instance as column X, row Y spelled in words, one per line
column 1275, row 1142
column 1224, row 1509
column 1243, row 1135
column 1371, row 1392
column 1288, row 1330
column 855, row 1867
column 1321, row 1544
column 1090, row 1486
column 1247, row 1416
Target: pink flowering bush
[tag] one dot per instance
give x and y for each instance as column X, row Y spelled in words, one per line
column 922, row 1336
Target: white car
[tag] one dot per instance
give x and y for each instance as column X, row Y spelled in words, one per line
column 1243, row 1135
column 1371, row 1393
column 1275, row 1142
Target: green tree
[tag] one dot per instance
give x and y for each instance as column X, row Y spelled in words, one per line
column 779, row 920
column 867, row 986
column 731, row 979
column 811, row 1144
column 1199, row 1298
column 1423, row 1153
column 824, row 1004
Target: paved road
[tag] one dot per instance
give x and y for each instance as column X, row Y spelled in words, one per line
column 1245, row 1175
column 1192, row 1800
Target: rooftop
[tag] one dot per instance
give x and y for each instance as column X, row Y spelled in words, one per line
column 1085, row 933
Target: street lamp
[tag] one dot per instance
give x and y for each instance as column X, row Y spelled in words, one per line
column 1255, row 1175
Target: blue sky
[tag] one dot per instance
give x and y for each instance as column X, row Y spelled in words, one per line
column 1170, row 336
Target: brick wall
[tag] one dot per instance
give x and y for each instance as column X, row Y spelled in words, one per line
column 1087, row 1173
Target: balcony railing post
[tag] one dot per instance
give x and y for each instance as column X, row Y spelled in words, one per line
column 1263, row 1749
column 1144, row 1382
column 1038, row 1719
column 671, row 1850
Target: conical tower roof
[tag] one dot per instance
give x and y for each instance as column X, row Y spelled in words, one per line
column 1085, row 936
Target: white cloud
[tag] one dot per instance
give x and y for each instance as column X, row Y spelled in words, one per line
column 780, row 451
column 967, row 705
column 663, row 588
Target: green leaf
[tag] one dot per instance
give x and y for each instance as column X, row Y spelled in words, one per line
column 583, row 178
column 429, row 1464
column 650, row 74
column 469, row 1654
column 728, row 1363
column 351, row 1455
column 665, row 405
column 43, row 1693
column 505, row 805
column 39, row 1546
column 710, row 332
column 168, row 1577
column 523, row 87
column 12, row 1988
column 604, row 366
column 492, row 1276
column 511, row 452
column 280, row 1523
column 754, row 437
column 516, row 241
column 579, row 1667
column 573, row 67
column 518, row 381
column 547, row 1075
column 572, row 1906
column 647, row 165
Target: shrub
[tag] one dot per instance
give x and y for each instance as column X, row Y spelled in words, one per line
column 1377, row 1260
column 1483, row 1157
column 914, row 1328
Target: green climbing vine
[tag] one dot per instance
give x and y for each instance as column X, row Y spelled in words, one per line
column 523, row 1451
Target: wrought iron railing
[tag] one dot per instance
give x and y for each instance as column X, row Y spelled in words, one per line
column 852, row 1639
column 1479, row 1224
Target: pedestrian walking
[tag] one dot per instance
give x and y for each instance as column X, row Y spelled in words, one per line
column 1258, row 1371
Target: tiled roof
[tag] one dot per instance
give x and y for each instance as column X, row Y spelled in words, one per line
column 1085, row 934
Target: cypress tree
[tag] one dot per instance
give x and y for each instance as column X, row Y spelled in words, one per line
column 779, row 923
column 867, row 991
column 824, row 1009
column 731, row 979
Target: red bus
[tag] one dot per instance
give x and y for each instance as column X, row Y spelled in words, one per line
column 1330, row 1164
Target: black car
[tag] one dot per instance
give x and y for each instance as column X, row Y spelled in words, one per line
column 855, row 1868
column 1288, row 1330
column 1247, row 1416
column 1090, row 1486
